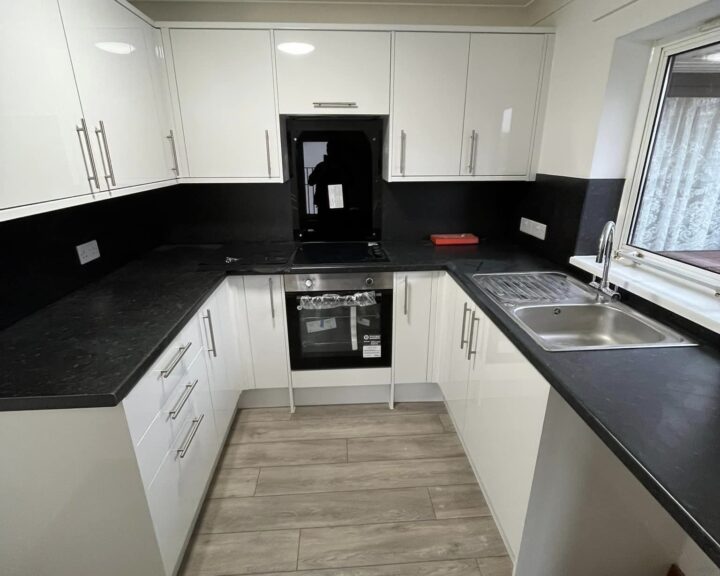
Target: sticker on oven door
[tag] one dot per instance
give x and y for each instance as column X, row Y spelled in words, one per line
column 371, row 346
column 320, row 325
column 363, row 321
column 335, row 196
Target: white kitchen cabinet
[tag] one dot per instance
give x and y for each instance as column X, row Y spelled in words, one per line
column 413, row 305
column 114, row 55
column 41, row 153
column 430, row 74
column 503, row 88
column 504, row 418
column 347, row 72
column 226, row 96
column 267, row 325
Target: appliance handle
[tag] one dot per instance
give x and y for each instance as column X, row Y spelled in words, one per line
column 272, row 298
column 407, row 289
column 335, row 105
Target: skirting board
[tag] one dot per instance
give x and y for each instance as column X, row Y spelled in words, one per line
column 269, row 397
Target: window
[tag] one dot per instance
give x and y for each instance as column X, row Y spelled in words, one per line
column 673, row 211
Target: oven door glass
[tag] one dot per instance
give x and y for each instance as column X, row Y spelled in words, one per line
column 339, row 329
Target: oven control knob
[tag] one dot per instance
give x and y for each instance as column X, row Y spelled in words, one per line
column 309, row 283
column 369, row 281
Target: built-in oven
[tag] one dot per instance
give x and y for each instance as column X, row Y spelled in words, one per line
column 339, row 320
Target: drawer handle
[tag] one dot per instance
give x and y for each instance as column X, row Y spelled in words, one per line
column 335, row 104
column 466, row 309
column 176, row 359
column 191, row 434
column 175, row 412
column 472, row 352
column 213, row 348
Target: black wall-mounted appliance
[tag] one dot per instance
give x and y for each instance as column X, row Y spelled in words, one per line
column 335, row 164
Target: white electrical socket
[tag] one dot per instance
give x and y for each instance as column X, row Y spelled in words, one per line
column 88, row 252
column 536, row 229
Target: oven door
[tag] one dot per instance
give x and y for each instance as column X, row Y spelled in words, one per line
column 339, row 329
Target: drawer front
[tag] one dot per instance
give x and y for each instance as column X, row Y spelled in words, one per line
column 176, row 491
column 189, row 399
column 158, row 384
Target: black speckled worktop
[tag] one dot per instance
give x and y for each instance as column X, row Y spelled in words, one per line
column 657, row 409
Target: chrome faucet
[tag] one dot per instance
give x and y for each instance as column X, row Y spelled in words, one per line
column 604, row 257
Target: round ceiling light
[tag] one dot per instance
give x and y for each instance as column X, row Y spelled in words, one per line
column 296, row 48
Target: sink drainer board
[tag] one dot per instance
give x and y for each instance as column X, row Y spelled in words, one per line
column 531, row 287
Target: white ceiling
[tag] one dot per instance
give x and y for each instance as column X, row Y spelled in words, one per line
column 469, row 3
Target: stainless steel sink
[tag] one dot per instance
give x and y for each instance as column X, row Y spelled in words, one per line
column 561, row 314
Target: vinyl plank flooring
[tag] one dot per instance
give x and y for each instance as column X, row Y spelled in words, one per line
column 398, row 543
column 458, row 501
column 448, row 568
column 499, row 566
column 447, row 422
column 287, row 453
column 234, row 483
column 263, row 414
column 337, row 427
column 364, row 476
column 315, row 510
column 357, row 410
column 243, row 553
column 404, row 447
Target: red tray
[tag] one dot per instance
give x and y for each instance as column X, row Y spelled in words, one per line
column 453, row 239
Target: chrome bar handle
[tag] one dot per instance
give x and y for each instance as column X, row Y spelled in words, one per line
column 175, row 412
column 466, row 309
column 176, row 166
column 101, row 131
column 472, row 352
column 189, row 438
column 176, row 359
column 98, row 135
column 83, row 131
column 267, row 151
column 407, row 287
column 473, row 145
column 403, row 138
column 335, row 105
column 272, row 298
column 207, row 316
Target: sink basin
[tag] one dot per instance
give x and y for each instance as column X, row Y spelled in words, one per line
column 561, row 314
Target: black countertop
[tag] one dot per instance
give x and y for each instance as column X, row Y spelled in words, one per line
column 657, row 409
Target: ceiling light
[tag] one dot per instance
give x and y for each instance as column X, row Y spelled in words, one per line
column 296, row 48
column 714, row 57
column 115, row 47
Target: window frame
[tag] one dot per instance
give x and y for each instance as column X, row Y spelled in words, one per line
column 640, row 154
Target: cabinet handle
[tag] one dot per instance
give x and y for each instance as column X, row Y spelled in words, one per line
column 272, row 298
column 109, row 178
column 174, row 362
column 191, row 434
column 472, row 352
column 176, row 166
column 407, row 287
column 335, row 105
column 403, row 138
column 473, row 145
column 175, row 412
column 466, row 309
column 92, row 174
column 208, row 317
column 267, row 151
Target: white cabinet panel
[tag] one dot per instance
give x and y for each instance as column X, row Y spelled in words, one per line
column 430, row 73
column 267, row 325
column 40, row 155
column 506, row 406
column 504, row 78
column 227, row 102
column 459, row 367
column 114, row 55
column 411, row 327
column 346, row 73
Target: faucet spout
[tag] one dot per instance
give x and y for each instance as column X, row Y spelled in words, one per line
column 604, row 257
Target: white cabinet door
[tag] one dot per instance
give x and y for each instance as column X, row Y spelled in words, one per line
column 430, row 74
column 264, row 299
column 411, row 326
column 227, row 101
column 506, row 406
column 459, row 367
column 504, row 79
column 41, row 157
column 345, row 73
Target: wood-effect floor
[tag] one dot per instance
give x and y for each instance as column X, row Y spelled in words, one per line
column 346, row 490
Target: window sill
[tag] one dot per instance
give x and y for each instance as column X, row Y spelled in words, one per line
column 698, row 305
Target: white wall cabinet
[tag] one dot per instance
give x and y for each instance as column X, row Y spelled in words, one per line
column 267, row 325
column 503, row 89
column 41, row 157
column 412, row 310
column 226, row 95
column 345, row 73
column 115, row 56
